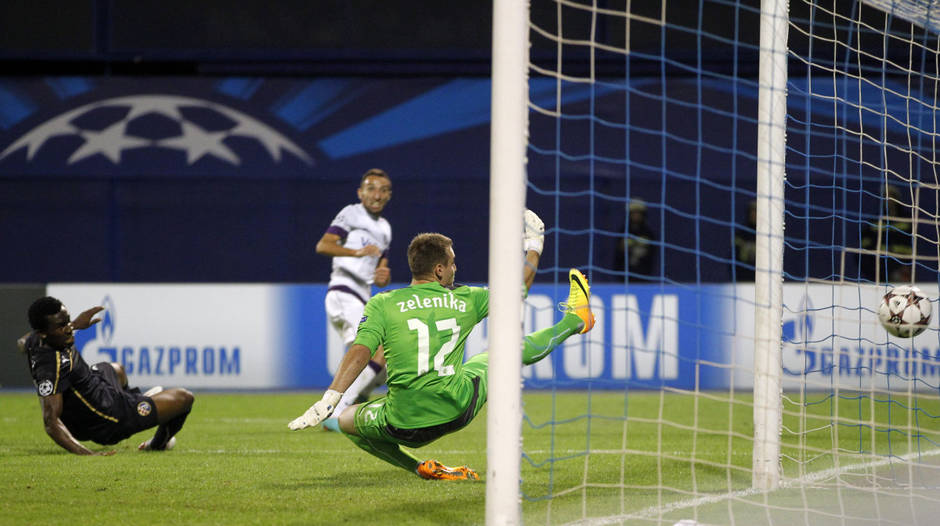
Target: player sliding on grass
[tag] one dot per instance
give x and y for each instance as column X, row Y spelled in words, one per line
column 92, row 403
column 423, row 327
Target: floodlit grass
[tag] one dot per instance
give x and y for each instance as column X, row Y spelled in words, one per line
column 236, row 463
column 637, row 463
column 638, row 455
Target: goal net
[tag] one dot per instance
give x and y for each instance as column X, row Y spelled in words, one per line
column 742, row 184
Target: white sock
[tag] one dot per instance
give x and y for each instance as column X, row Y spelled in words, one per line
column 359, row 385
column 377, row 380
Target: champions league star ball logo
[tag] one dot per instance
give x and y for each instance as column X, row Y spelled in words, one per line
column 198, row 127
column 45, row 388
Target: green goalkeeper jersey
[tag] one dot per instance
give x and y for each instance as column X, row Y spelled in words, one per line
column 423, row 329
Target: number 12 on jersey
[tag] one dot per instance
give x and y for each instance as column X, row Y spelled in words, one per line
column 424, row 345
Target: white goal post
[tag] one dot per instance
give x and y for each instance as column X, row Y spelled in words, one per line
column 768, row 275
column 507, row 201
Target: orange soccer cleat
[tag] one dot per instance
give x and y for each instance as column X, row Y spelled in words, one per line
column 434, row 470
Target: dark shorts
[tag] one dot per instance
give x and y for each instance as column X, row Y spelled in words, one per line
column 129, row 412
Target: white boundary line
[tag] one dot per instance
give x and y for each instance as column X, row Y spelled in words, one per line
column 654, row 512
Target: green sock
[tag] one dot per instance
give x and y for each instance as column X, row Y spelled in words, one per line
column 538, row 344
column 387, row 451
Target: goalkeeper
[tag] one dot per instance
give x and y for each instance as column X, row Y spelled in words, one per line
column 423, row 327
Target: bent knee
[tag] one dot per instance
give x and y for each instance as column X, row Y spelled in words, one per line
column 181, row 399
column 186, row 396
column 347, row 420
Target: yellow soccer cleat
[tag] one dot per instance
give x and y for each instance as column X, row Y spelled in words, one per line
column 579, row 299
column 434, row 470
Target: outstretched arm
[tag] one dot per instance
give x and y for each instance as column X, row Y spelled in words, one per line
column 86, row 319
column 51, row 418
column 354, row 361
column 533, row 239
column 531, row 266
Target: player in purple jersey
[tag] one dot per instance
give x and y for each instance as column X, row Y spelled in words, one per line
column 358, row 239
column 82, row 402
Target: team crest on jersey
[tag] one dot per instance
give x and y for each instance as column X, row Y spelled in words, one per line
column 45, row 388
column 143, row 408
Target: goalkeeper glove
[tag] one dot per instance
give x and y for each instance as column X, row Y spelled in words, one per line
column 318, row 412
column 533, row 235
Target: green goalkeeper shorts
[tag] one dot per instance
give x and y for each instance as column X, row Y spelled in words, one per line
column 372, row 422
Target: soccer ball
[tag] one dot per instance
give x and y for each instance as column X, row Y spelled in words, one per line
column 904, row 311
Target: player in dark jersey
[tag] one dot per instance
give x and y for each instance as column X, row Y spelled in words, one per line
column 422, row 328
column 82, row 402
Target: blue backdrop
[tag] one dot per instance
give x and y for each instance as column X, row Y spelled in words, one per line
column 200, row 179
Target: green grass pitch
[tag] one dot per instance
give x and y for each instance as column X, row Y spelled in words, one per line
column 237, row 463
